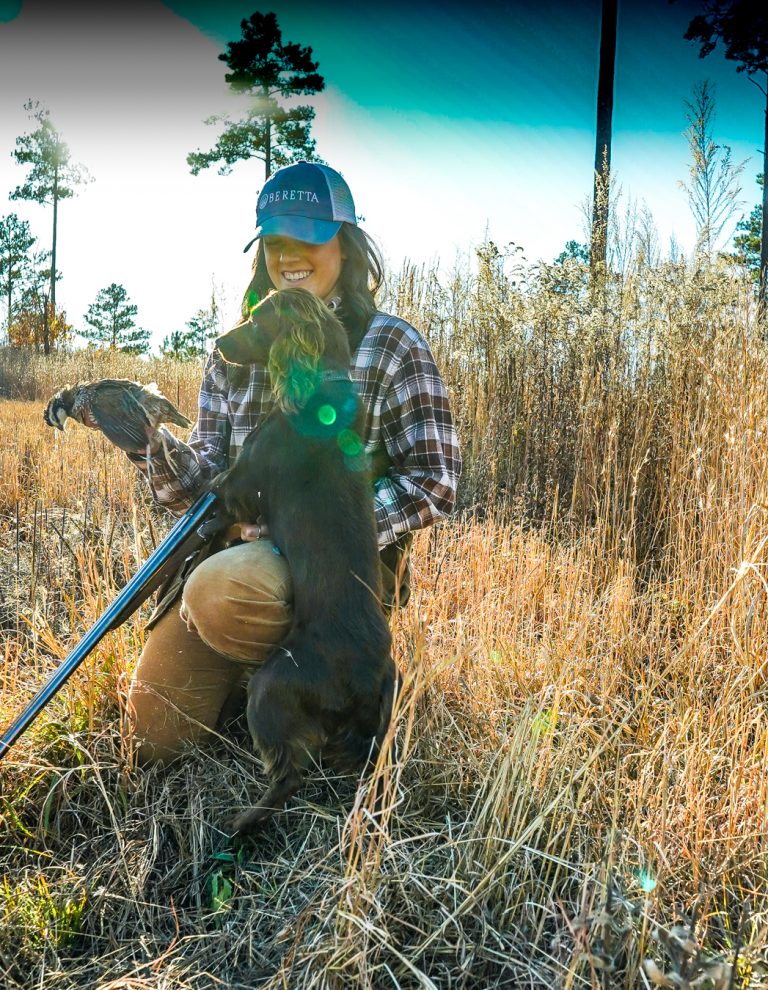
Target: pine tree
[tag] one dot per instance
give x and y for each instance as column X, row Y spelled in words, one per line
column 747, row 240
column 574, row 251
column 52, row 176
column 16, row 241
column 194, row 341
column 270, row 71
column 34, row 322
column 111, row 322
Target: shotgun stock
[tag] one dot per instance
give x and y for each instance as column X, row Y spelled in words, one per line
column 203, row 520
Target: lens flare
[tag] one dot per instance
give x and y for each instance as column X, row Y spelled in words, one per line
column 646, row 880
column 327, row 415
column 353, row 448
column 350, row 443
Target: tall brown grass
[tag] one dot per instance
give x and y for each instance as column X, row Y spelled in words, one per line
column 580, row 794
column 26, row 374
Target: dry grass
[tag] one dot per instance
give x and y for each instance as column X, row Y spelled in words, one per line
column 25, row 374
column 581, row 793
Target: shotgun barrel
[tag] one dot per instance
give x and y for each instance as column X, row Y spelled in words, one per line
column 198, row 525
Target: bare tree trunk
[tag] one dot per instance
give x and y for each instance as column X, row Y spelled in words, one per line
column 600, row 195
column 267, row 135
column 762, row 290
column 268, row 148
column 45, row 316
column 47, row 329
column 46, row 326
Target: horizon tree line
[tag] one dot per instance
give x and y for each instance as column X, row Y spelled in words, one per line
column 741, row 27
column 270, row 72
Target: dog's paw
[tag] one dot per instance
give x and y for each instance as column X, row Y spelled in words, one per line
column 249, row 820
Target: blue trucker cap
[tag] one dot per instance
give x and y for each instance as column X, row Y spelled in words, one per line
column 306, row 201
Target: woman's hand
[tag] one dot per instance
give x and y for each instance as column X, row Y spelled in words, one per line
column 154, row 442
column 249, row 532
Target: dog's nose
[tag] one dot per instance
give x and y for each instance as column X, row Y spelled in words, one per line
column 232, row 345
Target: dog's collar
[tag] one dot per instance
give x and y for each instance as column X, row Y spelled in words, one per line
column 335, row 376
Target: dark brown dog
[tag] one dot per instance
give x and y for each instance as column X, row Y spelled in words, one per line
column 328, row 687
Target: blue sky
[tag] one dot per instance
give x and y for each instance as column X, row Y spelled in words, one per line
column 447, row 121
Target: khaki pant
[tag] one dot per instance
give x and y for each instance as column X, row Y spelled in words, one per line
column 236, row 605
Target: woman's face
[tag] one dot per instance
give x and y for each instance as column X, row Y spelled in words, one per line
column 297, row 264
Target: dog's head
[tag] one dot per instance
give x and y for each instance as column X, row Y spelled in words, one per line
column 249, row 342
column 289, row 331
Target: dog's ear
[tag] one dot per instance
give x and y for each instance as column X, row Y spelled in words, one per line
column 294, row 358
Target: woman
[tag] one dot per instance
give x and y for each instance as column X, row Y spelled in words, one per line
column 236, row 604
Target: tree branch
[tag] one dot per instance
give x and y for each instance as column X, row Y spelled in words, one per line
column 756, row 83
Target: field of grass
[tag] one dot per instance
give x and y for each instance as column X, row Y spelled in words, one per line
column 581, row 793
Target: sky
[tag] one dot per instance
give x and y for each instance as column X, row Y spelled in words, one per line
column 451, row 122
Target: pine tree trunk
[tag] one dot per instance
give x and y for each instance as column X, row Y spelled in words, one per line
column 46, row 330
column 600, row 193
column 762, row 290
column 267, row 147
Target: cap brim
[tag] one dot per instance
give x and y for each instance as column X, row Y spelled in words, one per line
column 299, row 228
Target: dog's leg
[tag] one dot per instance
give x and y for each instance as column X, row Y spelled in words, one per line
column 283, row 738
column 285, row 779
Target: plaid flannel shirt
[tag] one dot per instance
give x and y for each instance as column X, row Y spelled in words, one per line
column 407, row 414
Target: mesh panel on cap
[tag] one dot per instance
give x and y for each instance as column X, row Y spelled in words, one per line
column 341, row 199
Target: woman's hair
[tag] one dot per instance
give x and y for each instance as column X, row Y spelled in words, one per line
column 362, row 276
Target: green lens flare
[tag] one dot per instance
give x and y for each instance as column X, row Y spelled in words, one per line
column 646, row 880
column 327, row 415
column 350, row 443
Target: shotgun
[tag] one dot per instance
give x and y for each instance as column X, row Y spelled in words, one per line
column 202, row 521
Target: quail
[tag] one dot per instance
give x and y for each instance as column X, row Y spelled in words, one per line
column 126, row 412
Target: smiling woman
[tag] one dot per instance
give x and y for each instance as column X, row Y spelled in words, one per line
column 307, row 235
column 226, row 615
column 300, row 213
column 314, row 267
